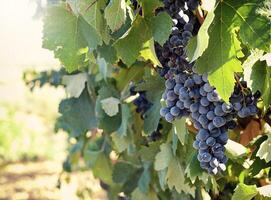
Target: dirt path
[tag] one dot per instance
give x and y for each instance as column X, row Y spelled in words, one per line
column 39, row 180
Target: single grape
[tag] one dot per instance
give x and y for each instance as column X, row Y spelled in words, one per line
column 210, row 141
column 218, row 110
column 194, row 107
column 207, row 87
column 164, row 111
column 175, row 111
column 214, row 162
column 169, row 117
column 206, row 157
column 227, row 108
column 196, row 144
column 170, row 83
column 195, row 115
column 219, row 121
column 203, row 134
column 180, row 105
column 170, row 103
column 177, row 88
column 203, row 110
column 203, row 145
column 171, row 96
column 210, row 115
column 204, row 101
column 203, row 120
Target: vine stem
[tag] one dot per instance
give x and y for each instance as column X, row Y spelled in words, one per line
column 199, row 14
column 91, row 5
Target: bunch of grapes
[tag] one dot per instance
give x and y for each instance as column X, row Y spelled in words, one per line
column 156, row 135
column 141, row 102
column 190, row 94
column 243, row 101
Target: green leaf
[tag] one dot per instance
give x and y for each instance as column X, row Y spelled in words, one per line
column 107, row 123
column 193, row 169
column 120, row 142
column 148, row 53
column 220, row 58
column 103, row 169
column 115, row 14
column 235, row 150
column 64, row 33
column 126, row 116
column 149, row 7
column 202, row 37
column 179, row 128
column 258, row 77
column 254, row 27
column 145, row 179
column 175, row 178
column 161, row 27
column 110, row 106
column 244, row 192
column 91, row 12
column 108, row 53
column 77, row 115
column 102, row 67
column 148, row 153
column 264, row 151
column 163, row 158
column 75, row 84
column 162, row 178
column 122, row 171
column 154, row 88
column 138, row 195
column 138, row 34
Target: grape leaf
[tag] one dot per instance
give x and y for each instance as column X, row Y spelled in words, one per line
column 150, row 6
column 161, row 27
column 115, row 14
column 245, row 192
column 138, row 195
column 235, row 149
column 202, row 38
column 259, row 78
column 255, row 27
column 102, row 67
column 77, row 115
column 148, row 154
column 179, row 128
column 220, row 58
column 163, row 158
column 148, row 53
column 64, row 33
column 110, row 106
column 107, row 123
column 193, row 169
column 175, row 178
column 126, row 115
column 121, row 172
column 91, row 12
column 264, row 151
column 154, row 88
column 120, row 142
column 75, row 84
column 145, row 179
column 138, row 34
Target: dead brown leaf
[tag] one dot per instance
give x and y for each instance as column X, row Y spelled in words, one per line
column 252, row 130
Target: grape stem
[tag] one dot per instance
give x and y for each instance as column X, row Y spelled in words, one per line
column 91, row 5
column 199, row 14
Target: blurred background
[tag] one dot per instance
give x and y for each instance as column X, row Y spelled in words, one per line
column 31, row 153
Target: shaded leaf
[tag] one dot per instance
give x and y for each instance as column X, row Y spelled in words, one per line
column 245, row 192
column 163, row 158
column 252, row 130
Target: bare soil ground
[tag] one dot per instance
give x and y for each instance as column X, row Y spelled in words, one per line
column 39, row 181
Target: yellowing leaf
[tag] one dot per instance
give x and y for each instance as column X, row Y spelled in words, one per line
column 110, row 106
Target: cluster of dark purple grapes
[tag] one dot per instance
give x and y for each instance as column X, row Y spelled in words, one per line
column 156, row 135
column 190, row 94
column 141, row 102
column 243, row 101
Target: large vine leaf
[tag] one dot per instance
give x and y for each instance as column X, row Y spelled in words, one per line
column 68, row 36
column 115, row 14
column 245, row 192
column 91, row 10
column 176, row 179
column 220, row 58
column 138, row 34
column 264, row 151
column 77, row 115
